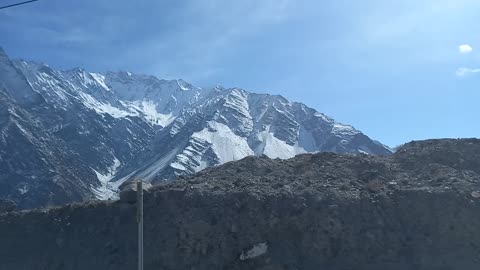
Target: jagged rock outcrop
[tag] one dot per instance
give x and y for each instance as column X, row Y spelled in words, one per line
column 418, row 209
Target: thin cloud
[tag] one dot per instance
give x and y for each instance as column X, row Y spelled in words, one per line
column 464, row 72
column 465, row 48
column 188, row 37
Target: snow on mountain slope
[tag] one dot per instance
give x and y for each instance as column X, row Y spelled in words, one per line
column 107, row 189
column 273, row 147
column 120, row 125
column 226, row 145
column 234, row 123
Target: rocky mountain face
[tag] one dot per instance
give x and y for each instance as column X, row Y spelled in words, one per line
column 417, row 209
column 75, row 135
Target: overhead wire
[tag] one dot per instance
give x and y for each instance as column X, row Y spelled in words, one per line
column 18, row 4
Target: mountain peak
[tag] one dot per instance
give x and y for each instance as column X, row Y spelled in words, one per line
column 184, row 85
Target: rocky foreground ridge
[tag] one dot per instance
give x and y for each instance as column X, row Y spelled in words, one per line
column 416, row 209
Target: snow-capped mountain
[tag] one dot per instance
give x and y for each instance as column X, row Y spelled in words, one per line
column 230, row 124
column 74, row 135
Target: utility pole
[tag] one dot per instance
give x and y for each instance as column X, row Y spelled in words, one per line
column 140, row 223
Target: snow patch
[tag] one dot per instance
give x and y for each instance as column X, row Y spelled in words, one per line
column 363, row 152
column 344, row 130
column 178, row 166
column 255, row 251
column 237, row 102
column 182, row 85
column 23, row 189
column 323, row 117
column 149, row 110
column 106, row 190
column 224, row 142
column 190, row 160
column 113, row 111
column 100, row 79
column 103, row 108
column 276, row 148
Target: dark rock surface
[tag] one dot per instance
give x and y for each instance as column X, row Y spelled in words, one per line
column 7, row 206
column 418, row 209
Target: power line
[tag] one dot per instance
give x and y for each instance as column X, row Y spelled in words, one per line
column 18, row 4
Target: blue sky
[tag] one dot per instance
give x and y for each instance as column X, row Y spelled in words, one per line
column 394, row 69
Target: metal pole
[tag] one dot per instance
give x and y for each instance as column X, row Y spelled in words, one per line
column 140, row 223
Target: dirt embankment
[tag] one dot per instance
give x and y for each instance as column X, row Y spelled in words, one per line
column 418, row 209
